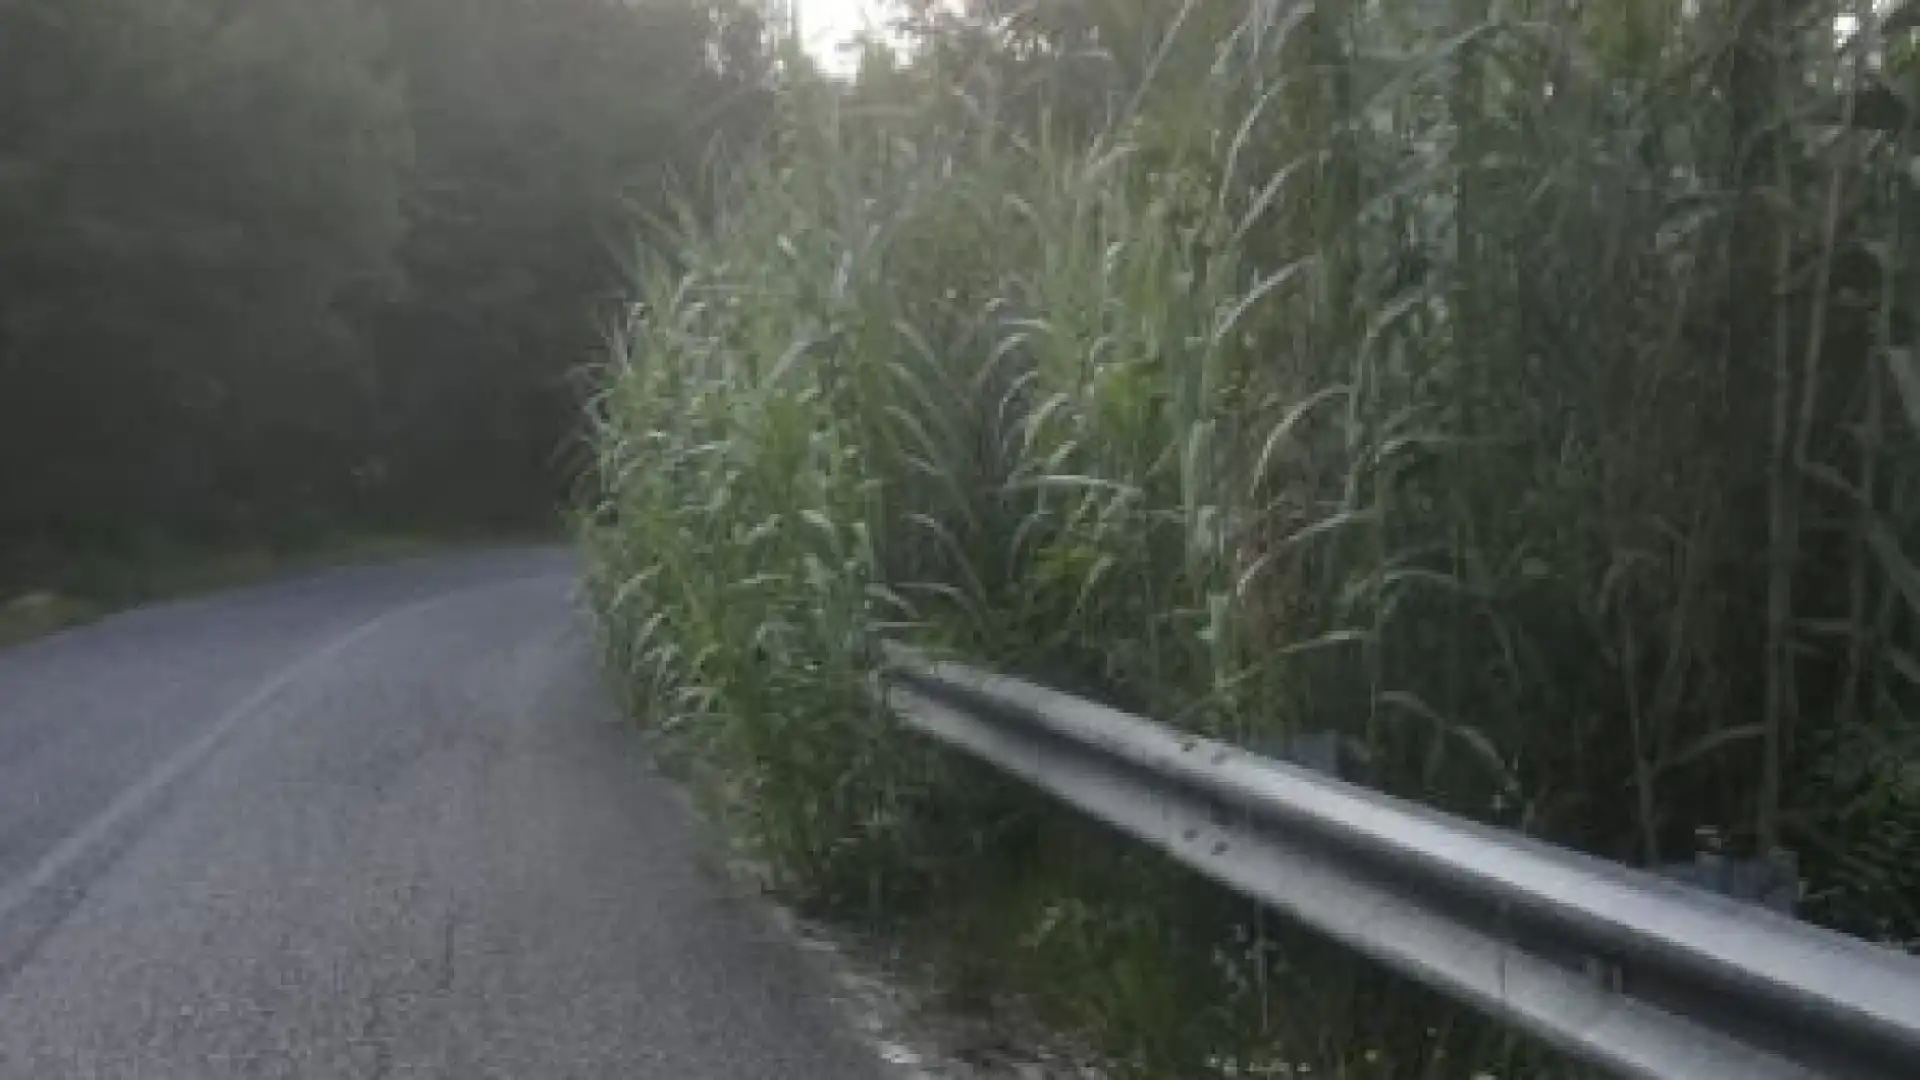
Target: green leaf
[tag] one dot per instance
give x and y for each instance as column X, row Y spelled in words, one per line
column 1894, row 562
column 1330, row 639
column 1283, row 430
column 1710, row 742
column 1472, row 737
column 1906, row 379
column 1259, row 292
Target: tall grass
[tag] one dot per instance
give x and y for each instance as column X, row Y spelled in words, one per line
column 1520, row 394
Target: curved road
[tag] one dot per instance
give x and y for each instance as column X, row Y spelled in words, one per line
column 373, row 823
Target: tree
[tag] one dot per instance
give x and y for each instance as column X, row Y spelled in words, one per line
column 192, row 196
column 271, row 266
column 544, row 132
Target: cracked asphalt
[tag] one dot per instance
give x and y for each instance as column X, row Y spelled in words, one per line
column 373, row 823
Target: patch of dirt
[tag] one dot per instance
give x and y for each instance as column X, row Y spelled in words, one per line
column 921, row 1034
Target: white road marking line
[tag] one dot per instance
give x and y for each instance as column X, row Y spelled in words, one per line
column 74, row 848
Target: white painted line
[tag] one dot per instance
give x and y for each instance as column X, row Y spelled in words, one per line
column 74, row 848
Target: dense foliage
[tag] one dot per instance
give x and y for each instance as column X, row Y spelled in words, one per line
column 275, row 266
column 1522, row 391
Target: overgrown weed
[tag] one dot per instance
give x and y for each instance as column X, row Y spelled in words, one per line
column 1486, row 386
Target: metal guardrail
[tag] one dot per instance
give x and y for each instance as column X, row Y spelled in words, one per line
column 1635, row 973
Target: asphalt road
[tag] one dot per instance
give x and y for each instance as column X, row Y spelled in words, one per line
column 372, row 823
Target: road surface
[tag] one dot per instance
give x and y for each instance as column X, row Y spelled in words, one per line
column 375, row 823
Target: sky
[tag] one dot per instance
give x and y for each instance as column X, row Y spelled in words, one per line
column 825, row 25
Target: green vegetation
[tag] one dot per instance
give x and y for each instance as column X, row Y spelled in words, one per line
column 1522, row 391
column 35, row 614
column 276, row 269
column 76, row 588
